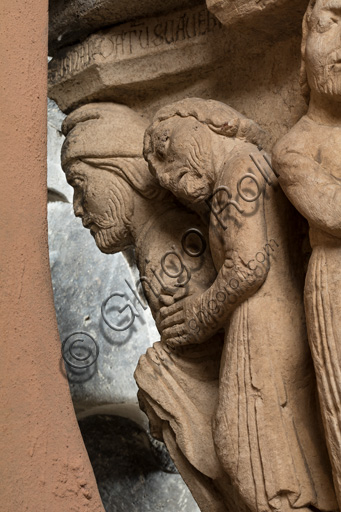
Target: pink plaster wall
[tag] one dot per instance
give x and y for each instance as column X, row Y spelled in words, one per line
column 44, row 465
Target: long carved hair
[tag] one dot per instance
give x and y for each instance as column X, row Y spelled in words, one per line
column 218, row 117
column 305, row 89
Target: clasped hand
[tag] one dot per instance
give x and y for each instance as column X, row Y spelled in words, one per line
column 175, row 328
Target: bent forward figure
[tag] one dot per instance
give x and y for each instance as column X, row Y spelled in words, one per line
column 267, row 433
column 124, row 206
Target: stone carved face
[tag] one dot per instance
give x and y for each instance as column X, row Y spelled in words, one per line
column 180, row 157
column 102, row 202
column 323, row 49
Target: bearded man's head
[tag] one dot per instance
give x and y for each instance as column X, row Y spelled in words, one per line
column 321, row 49
column 103, row 162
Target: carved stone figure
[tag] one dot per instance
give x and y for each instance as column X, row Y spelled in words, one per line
column 266, row 430
column 123, row 205
column 308, row 161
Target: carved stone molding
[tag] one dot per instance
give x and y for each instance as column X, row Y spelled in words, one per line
column 73, row 20
column 126, row 58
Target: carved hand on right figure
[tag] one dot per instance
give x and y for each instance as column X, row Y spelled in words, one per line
column 175, row 329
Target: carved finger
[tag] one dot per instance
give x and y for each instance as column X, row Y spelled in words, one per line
column 176, row 319
column 170, row 310
column 167, row 300
column 176, row 343
column 172, row 332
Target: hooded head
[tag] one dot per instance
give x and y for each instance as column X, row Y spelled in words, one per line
column 102, row 159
